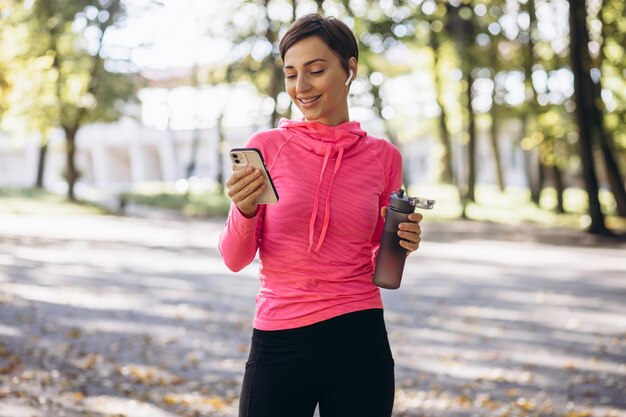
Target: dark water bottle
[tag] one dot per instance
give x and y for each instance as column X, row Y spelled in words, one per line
column 391, row 256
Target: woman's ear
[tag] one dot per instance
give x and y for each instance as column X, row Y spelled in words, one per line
column 352, row 65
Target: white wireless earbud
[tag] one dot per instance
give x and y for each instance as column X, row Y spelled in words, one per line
column 349, row 78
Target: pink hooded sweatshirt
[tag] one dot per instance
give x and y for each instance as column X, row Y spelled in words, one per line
column 317, row 245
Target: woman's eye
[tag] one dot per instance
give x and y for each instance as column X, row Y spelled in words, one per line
column 317, row 72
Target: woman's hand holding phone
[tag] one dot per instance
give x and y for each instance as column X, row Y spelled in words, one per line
column 245, row 186
column 250, row 184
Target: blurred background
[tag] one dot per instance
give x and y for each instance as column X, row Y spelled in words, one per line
column 506, row 110
column 115, row 119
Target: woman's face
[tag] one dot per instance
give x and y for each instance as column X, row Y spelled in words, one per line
column 315, row 81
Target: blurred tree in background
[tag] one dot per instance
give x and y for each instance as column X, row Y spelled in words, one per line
column 56, row 68
column 467, row 69
column 492, row 44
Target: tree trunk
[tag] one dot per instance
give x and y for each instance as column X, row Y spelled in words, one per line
column 193, row 157
column 536, row 169
column 41, row 163
column 293, row 10
column 580, row 60
column 320, row 6
column 197, row 133
column 471, row 145
column 612, row 172
column 463, row 32
column 541, row 179
column 276, row 81
column 221, row 138
column 71, row 175
column 444, row 134
column 559, row 187
column 607, row 144
column 494, row 144
column 532, row 166
column 533, row 175
column 444, row 138
column 493, row 114
column 275, row 89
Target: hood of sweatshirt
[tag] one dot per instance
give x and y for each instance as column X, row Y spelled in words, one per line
column 327, row 142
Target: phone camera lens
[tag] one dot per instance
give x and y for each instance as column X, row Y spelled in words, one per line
column 235, row 156
column 237, row 161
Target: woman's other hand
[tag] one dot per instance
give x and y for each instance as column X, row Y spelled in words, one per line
column 409, row 232
column 244, row 187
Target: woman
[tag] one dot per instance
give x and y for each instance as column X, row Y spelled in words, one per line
column 319, row 335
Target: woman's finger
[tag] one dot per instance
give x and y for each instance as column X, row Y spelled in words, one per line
column 416, row 217
column 247, row 184
column 410, row 228
column 248, row 189
column 410, row 246
column 410, row 236
column 238, row 175
column 252, row 197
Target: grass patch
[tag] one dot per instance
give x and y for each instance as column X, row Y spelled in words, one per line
column 25, row 201
column 513, row 206
column 195, row 201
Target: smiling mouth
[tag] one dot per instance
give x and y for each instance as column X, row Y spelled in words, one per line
column 309, row 100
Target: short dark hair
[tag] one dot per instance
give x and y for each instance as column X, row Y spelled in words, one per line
column 336, row 34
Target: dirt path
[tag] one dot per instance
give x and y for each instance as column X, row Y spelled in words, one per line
column 138, row 317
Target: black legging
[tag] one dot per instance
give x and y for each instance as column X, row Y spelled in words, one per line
column 344, row 364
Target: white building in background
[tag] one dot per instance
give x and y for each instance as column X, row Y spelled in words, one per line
column 157, row 149
column 114, row 157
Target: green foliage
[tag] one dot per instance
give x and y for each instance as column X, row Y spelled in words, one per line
column 552, row 137
column 52, row 63
column 612, row 15
column 196, row 203
column 501, row 44
column 53, row 71
column 512, row 206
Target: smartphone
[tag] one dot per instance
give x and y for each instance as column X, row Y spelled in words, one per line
column 242, row 158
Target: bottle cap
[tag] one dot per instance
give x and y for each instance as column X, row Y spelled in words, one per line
column 400, row 202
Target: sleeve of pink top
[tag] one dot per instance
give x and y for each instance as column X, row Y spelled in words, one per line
column 393, row 182
column 240, row 238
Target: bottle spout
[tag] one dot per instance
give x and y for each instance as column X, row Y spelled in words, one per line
column 422, row 203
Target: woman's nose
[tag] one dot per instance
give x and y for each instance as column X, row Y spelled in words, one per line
column 302, row 84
